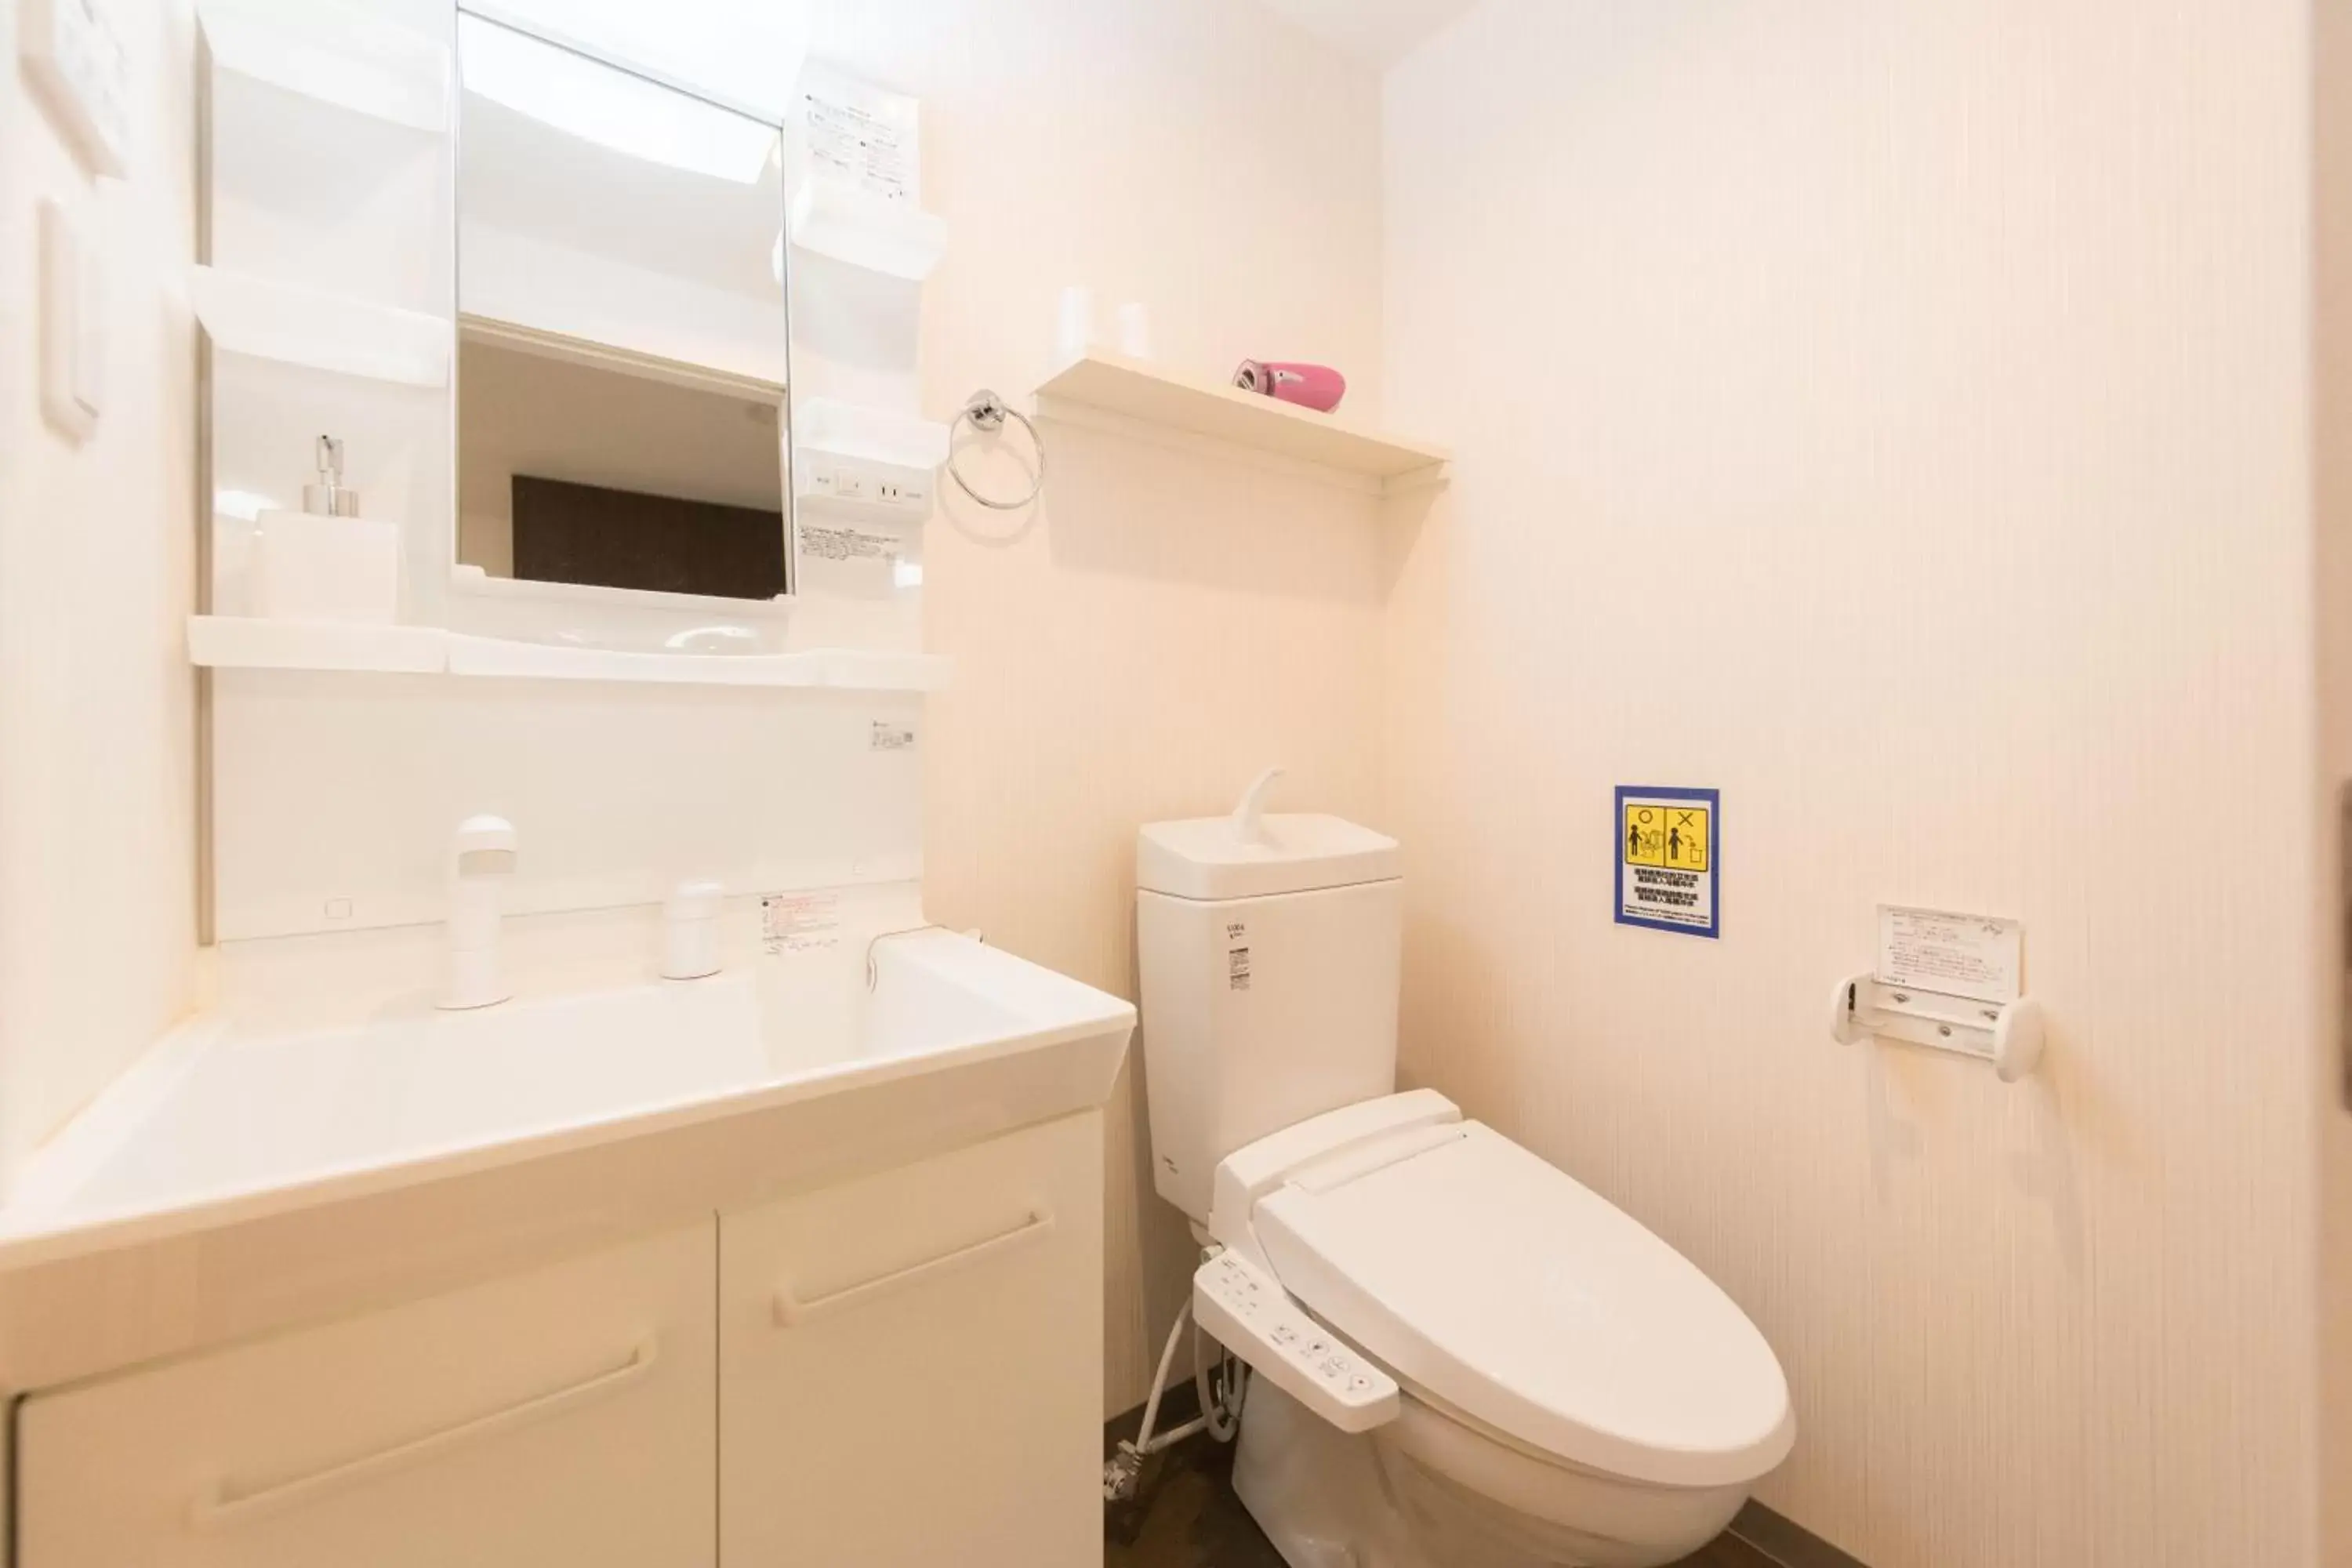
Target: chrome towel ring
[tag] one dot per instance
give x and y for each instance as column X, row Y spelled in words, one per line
column 987, row 413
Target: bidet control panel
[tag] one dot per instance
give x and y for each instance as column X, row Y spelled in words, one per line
column 1251, row 1316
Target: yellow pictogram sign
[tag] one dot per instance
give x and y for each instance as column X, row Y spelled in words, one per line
column 1646, row 836
column 1687, row 837
column 1674, row 837
column 1666, row 859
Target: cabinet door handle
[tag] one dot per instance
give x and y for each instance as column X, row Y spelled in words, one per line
column 791, row 1312
column 222, row 1506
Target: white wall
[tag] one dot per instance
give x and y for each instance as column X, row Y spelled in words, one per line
column 1894, row 416
column 97, row 545
column 1174, row 620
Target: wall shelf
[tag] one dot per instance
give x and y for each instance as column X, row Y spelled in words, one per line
column 1140, row 390
column 293, row 325
column 226, row 642
column 237, row 642
column 344, row 59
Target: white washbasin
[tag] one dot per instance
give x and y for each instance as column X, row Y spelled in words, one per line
column 221, row 1124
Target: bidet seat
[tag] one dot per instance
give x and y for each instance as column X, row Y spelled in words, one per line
column 1495, row 1285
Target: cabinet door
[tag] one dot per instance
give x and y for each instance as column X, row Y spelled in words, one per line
column 910, row 1364
column 561, row 1417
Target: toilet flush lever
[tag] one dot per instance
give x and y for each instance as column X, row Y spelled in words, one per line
column 1249, row 816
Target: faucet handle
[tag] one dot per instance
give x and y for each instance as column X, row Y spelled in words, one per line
column 1249, row 816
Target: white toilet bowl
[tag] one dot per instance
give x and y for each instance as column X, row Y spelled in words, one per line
column 1428, row 1492
column 1573, row 1392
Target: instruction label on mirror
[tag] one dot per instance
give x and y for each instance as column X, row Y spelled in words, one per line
column 1981, row 957
column 861, row 134
column 799, row 922
column 1669, row 859
column 840, row 541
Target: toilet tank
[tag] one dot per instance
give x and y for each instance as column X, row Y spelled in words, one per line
column 1269, row 950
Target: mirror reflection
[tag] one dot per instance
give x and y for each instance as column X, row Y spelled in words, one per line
column 623, row 350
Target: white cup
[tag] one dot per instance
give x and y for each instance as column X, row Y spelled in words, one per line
column 1135, row 330
column 1075, row 334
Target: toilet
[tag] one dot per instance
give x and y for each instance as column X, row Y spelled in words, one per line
column 1506, row 1371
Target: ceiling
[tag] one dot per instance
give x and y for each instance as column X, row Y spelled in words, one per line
column 1381, row 32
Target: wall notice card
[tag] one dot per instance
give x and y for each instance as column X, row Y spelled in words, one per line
column 1976, row 956
column 1669, row 859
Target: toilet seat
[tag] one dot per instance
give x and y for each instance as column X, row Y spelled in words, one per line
column 1493, row 1283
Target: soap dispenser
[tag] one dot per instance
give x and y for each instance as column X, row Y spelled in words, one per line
column 326, row 563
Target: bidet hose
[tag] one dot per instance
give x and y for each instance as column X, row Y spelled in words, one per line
column 1223, row 1424
column 1144, row 1443
column 1221, row 1402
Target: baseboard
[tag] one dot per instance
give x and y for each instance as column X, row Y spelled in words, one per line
column 1785, row 1544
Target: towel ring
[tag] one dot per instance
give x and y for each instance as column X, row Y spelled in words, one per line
column 987, row 413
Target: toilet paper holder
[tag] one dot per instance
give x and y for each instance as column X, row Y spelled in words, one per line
column 2010, row 1035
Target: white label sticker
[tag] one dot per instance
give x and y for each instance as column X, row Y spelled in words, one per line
column 889, row 737
column 839, row 542
column 1977, row 956
column 1237, row 956
column 799, row 922
column 862, row 135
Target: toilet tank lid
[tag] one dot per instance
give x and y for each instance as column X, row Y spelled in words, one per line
column 1291, row 852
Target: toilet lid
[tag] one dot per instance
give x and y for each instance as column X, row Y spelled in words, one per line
column 1495, row 1284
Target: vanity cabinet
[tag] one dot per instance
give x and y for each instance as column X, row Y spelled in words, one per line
column 559, row 1417
column 896, row 1370
column 910, row 1363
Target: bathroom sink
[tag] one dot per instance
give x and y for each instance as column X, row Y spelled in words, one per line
column 221, row 1124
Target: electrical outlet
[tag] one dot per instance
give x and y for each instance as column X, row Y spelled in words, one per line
column 861, row 487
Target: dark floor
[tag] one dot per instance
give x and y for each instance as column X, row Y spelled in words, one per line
column 1187, row 1517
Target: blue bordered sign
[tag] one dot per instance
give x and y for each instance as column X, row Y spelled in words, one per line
column 1670, row 860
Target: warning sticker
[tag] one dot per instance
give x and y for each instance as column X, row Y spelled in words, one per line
column 799, row 922
column 1666, row 859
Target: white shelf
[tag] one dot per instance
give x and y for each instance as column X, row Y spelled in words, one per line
column 233, row 642
column 222, row 642
column 293, row 325
column 333, row 55
column 834, row 218
column 1138, row 390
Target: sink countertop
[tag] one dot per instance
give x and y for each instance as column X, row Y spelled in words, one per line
column 238, row 1178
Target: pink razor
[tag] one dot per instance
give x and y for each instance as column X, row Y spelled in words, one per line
column 1316, row 386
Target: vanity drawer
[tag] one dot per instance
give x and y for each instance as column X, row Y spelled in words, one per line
column 910, row 1364
column 560, row 1417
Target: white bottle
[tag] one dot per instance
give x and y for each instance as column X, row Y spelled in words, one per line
column 325, row 563
column 481, row 857
column 690, row 931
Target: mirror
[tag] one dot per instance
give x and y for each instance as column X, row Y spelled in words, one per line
column 624, row 344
